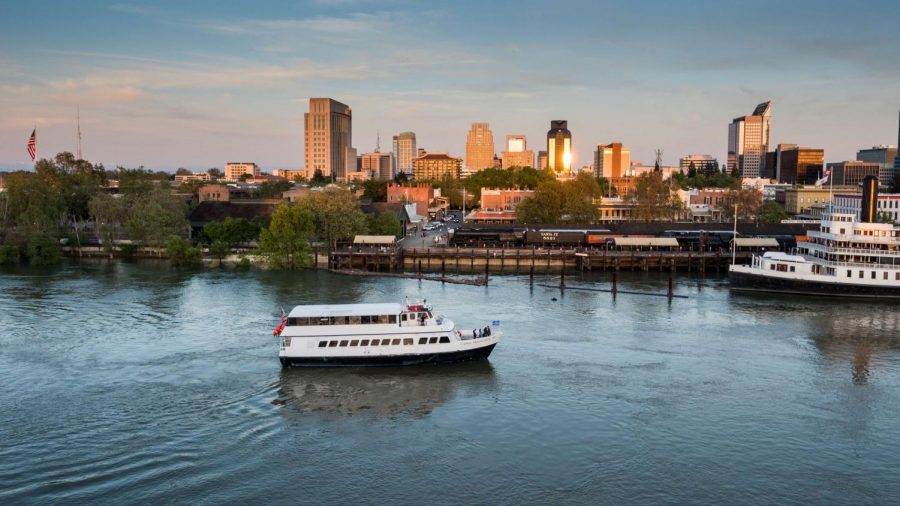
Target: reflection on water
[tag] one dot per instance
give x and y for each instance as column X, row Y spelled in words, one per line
column 380, row 392
column 138, row 384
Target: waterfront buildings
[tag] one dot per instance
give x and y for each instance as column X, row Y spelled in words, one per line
column 852, row 172
column 799, row 200
column 497, row 199
column 214, row 193
column 421, row 195
column 886, row 204
column 611, row 160
column 404, row 152
column 379, row 165
column 436, row 166
column 516, row 153
column 479, row 147
column 701, row 163
column 792, row 164
column 327, row 139
column 748, row 141
column 234, row 170
column 559, row 148
column 288, row 174
column 193, row 176
column 884, row 156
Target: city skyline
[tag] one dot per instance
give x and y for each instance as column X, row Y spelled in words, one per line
column 195, row 86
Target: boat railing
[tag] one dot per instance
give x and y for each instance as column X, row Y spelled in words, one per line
column 863, row 265
column 852, row 251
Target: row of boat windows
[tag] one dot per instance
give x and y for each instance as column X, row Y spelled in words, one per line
column 342, row 320
column 406, row 341
column 873, row 273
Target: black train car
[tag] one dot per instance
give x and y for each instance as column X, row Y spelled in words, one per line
column 475, row 235
column 550, row 236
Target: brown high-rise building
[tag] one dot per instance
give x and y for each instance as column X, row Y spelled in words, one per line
column 380, row 165
column 611, row 160
column 852, row 172
column 436, row 166
column 479, row 147
column 792, row 164
column 748, row 141
column 542, row 160
column 327, row 139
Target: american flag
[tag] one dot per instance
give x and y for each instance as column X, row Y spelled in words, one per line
column 32, row 144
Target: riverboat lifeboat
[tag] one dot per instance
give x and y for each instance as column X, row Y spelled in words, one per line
column 387, row 334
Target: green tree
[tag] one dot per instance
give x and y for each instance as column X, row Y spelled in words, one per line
column 232, row 231
column 219, row 250
column 375, row 190
column 749, row 204
column 771, row 213
column 546, row 206
column 215, row 173
column 336, row 214
column 653, row 200
column 384, row 224
column 318, row 178
column 181, row 253
column 401, row 178
column 692, row 171
column 153, row 218
column 578, row 199
column 285, row 242
column 110, row 213
column 275, row 188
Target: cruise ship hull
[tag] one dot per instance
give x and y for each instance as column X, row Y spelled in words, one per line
column 469, row 355
column 744, row 281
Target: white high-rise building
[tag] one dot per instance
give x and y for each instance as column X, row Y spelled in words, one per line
column 748, row 141
column 404, row 153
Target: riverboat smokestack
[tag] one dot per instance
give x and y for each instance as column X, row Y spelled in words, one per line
column 868, row 211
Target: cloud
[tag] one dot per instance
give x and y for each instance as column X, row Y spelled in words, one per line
column 131, row 9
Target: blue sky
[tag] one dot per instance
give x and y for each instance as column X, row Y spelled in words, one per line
column 195, row 84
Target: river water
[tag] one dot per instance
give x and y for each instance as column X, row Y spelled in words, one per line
column 135, row 383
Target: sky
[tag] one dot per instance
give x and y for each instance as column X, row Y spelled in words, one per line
column 171, row 84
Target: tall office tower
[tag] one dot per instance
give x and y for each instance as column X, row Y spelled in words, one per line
column 404, row 152
column 559, row 148
column 611, row 160
column 796, row 165
column 748, row 141
column 884, row 156
column 542, row 160
column 380, row 165
column 515, row 154
column 327, row 139
column 479, row 147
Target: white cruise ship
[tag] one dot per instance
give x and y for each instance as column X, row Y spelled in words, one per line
column 378, row 335
column 845, row 257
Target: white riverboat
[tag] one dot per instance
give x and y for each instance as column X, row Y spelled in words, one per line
column 845, row 257
column 378, row 335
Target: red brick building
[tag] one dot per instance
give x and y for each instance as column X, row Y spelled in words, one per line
column 421, row 194
column 503, row 199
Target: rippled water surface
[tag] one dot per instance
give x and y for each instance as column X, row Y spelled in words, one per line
column 134, row 383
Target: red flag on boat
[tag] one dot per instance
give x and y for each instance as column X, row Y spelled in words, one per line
column 280, row 327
